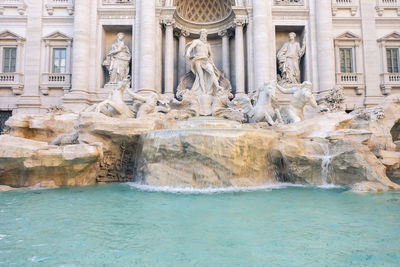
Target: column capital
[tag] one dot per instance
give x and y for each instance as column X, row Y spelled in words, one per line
column 225, row 33
column 167, row 21
column 240, row 21
column 182, row 32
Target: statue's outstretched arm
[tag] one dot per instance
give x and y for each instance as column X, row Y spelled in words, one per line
column 303, row 48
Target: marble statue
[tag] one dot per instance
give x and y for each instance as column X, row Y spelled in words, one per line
column 68, row 138
column 149, row 103
column 301, row 96
column 115, row 105
column 199, row 88
column 117, row 60
column 199, row 54
column 264, row 109
column 289, row 59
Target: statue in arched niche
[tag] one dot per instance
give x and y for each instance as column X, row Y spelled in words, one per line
column 204, row 82
column 117, row 60
column 289, row 60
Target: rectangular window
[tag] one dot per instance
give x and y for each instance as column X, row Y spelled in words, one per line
column 392, row 56
column 9, row 59
column 59, row 60
column 346, row 60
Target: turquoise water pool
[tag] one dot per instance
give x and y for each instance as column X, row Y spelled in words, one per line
column 122, row 225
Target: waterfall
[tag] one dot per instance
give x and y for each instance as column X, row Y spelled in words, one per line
column 326, row 167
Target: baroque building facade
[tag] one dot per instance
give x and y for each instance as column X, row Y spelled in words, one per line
column 52, row 52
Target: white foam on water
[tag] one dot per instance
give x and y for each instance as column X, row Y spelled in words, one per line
column 216, row 190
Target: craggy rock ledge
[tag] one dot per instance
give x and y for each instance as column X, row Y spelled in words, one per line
column 362, row 149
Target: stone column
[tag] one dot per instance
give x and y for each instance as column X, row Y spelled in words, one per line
column 81, row 51
column 239, row 56
column 78, row 98
column 181, row 53
column 169, row 57
column 30, row 101
column 373, row 93
column 264, row 64
column 225, row 53
column 146, row 52
column 325, row 49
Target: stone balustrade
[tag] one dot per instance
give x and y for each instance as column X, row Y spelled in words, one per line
column 381, row 5
column 52, row 4
column 388, row 81
column 351, row 5
column 351, row 80
column 118, row 2
column 289, row 2
column 18, row 4
column 15, row 81
column 55, row 80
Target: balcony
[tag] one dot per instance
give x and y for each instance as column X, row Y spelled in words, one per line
column 388, row 81
column 66, row 4
column 55, row 81
column 18, row 4
column 381, row 5
column 289, row 2
column 13, row 81
column 351, row 80
column 118, row 2
column 351, row 5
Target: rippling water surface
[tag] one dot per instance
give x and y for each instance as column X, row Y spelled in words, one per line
column 127, row 225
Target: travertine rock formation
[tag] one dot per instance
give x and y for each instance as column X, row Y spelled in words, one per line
column 360, row 150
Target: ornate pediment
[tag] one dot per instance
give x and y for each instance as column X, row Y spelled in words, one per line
column 7, row 35
column 57, row 36
column 394, row 36
column 348, row 36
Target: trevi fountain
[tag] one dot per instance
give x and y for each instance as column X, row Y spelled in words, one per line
column 205, row 174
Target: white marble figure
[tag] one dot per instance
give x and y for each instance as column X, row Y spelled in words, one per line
column 301, row 96
column 117, row 60
column 289, row 59
column 115, row 105
column 199, row 54
column 263, row 110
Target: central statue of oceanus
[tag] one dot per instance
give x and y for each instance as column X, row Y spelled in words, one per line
column 204, row 84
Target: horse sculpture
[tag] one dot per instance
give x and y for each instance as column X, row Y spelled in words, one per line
column 263, row 110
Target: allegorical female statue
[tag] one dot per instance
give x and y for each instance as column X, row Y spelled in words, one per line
column 117, row 60
column 289, row 59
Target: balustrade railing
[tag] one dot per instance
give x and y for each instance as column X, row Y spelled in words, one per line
column 349, row 79
column 116, row 2
column 388, row 3
column 391, row 79
column 381, row 5
column 351, row 5
column 60, row 79
column 52, row 4
column 289, row 2
column 15, row 81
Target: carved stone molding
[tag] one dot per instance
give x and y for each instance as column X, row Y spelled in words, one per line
column 18, row 4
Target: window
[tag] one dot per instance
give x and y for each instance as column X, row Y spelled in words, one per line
column 9, row 59
column 392, row 56
column 59, row 60
column 346, row 60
